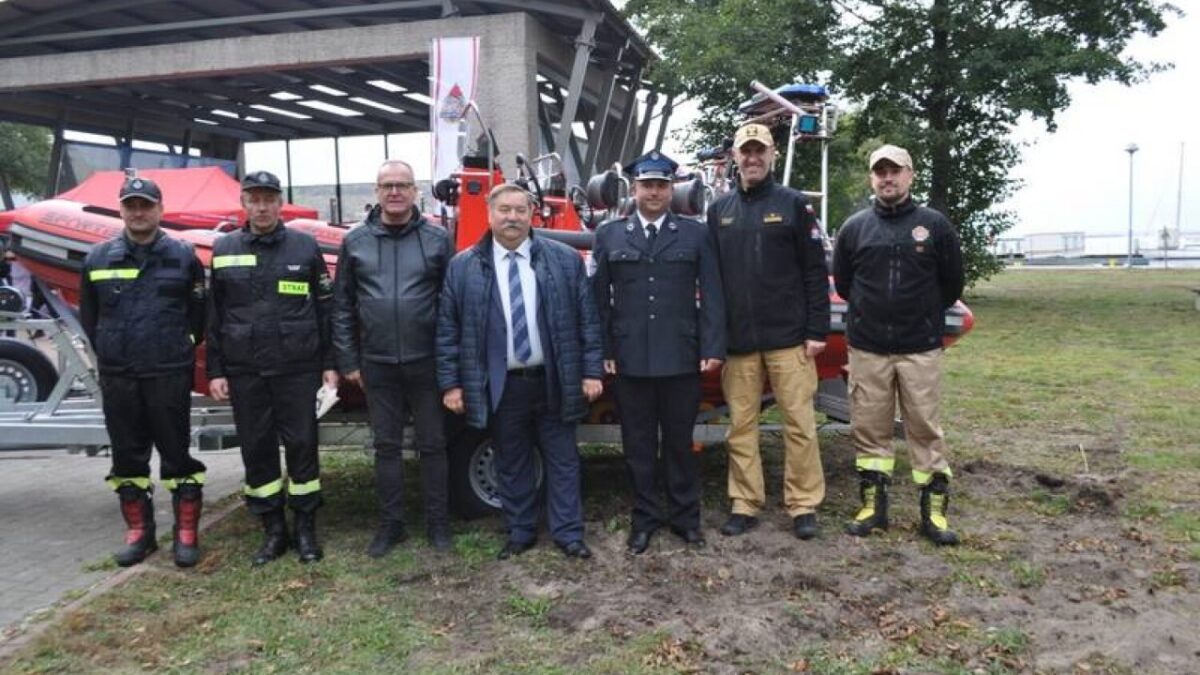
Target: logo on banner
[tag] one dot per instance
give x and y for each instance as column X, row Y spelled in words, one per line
column 454, row 106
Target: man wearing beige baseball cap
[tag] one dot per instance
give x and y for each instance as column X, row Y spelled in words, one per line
column 899, row 266
column 776, row 288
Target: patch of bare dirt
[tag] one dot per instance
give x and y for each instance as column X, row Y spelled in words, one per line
column 1049, row 578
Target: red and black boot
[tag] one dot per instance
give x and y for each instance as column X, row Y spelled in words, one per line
column 138, row 511
column 188, row 500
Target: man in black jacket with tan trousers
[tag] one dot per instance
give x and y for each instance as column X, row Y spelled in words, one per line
column 899, row 267
column 777, row 300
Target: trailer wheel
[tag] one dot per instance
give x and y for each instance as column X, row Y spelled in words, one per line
column 26, row 375
column 474, row 488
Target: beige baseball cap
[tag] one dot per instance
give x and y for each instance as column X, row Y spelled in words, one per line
column 753, row 132
column 892, row 153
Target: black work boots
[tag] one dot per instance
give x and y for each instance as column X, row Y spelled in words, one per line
column 138, row 511
column 275, row 537
column 188, row 501
column 935, row 498
column 873, row 515
column 306, row 536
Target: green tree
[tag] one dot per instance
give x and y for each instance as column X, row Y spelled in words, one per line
column 945, row 78
column 24, row 155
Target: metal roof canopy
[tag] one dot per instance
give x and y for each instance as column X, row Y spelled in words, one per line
column 211, row 74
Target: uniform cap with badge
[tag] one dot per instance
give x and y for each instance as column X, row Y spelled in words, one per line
column 652, row 166
column 261, row 180
column 142, row 188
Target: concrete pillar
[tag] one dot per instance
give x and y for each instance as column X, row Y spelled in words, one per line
column 507, row 89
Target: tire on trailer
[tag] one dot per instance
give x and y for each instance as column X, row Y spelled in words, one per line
column 474, row 491
column 26, row 375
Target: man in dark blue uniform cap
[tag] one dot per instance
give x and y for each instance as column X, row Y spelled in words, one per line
column 658, row 288
column 142, row 306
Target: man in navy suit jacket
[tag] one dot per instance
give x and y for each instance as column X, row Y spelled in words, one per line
column 519, row 353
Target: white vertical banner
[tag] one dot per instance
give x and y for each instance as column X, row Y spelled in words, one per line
column 453, row 75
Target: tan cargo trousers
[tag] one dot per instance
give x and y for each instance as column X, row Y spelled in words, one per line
column 793, row 378
column 877, row 381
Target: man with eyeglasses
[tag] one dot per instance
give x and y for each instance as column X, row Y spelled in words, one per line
column 389, row 275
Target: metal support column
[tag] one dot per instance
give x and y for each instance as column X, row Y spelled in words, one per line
column 583, row 51
column 640, row 144
column 54, row 171
column 287, row 157
column 628, row 119
column 186, row 148
column 602, row 112
column 337, row 177
column 668, row 108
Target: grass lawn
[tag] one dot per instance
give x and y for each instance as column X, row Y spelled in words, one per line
column 1071, row 411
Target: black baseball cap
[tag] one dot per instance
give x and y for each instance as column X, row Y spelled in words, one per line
column 261, row 179
column 143, row 188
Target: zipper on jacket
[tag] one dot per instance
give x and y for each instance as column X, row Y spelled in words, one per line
column 893, row 274
column 395, row 246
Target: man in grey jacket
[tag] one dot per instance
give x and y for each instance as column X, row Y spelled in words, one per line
column 389, row 275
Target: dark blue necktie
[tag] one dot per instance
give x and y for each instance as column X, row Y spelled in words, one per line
column 520, row 327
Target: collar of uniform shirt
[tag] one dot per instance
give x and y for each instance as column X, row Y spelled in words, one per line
column 657, row 223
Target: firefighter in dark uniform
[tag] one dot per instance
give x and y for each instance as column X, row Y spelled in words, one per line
column 142, row 307
column 269, row 349
column 657, row 340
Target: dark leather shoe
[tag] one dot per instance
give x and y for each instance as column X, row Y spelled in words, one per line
column 386, row 538
column 513, row 548
column 639, row 541
column 576, row 549
column 738, row 524
column 692, row 536
column 804, row 526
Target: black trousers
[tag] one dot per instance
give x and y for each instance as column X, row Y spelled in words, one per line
column 270, row 410
column 142, row 413
column 394, row 391
column 646, row 405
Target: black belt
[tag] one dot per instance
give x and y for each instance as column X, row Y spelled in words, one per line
column 530, row 372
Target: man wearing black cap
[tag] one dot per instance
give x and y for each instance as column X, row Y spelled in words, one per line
column 899, row 266
column 390, row 272
column 650, row 266
column 269, row 350
column 777, row 300
column 142, row 307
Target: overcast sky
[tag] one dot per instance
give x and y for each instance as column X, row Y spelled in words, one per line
column 1076, row 179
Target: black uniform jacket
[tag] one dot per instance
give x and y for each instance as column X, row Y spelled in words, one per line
column 271, row 298
column 661, row 307
column 772, row 268
column 899, row 268
column 145, row 316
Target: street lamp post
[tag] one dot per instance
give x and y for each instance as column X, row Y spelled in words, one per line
column 1131, row 148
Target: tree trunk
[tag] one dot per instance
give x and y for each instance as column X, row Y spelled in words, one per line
column 937, row 111
column 5, row 194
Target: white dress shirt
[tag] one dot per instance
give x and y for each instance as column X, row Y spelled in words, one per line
column 658, row 224
column 528, row 292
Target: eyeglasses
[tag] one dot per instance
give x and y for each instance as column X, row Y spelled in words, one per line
column 395, row 187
